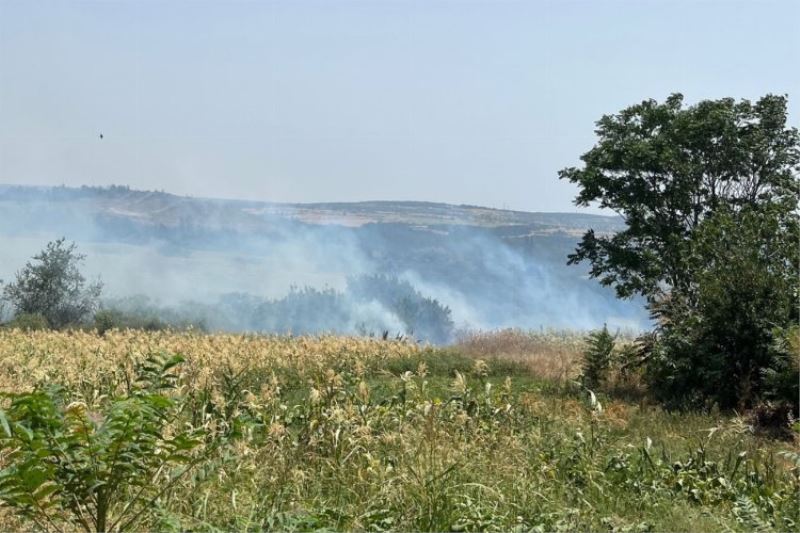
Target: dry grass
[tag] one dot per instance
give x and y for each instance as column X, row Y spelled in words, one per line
column 550, row 355
column 82, row 358
column 346, row 434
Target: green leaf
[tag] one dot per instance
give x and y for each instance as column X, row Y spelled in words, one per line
column 46, row 490
column 4, row 423
column 172, row 362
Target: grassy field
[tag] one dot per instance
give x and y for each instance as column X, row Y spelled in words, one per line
column 360, row 434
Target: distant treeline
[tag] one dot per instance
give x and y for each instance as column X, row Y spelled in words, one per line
column 51, row 292
column 369, row 305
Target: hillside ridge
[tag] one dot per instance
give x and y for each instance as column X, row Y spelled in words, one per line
column 159, row 207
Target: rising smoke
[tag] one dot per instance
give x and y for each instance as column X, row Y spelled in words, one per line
column 282, row 274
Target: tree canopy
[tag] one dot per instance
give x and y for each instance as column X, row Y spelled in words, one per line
column 709, row 194
column 665, row 168
column 52, row 285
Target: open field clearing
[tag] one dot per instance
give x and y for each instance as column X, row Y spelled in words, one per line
column 282, row 433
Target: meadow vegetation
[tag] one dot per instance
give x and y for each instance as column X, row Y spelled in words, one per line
column 135, row 430
column 690, row 427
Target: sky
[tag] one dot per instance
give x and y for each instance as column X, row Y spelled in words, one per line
column 301, row 101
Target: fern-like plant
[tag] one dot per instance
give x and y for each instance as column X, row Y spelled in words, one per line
column 597, row 357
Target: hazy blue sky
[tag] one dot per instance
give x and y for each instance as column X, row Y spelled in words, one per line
column 463, row 102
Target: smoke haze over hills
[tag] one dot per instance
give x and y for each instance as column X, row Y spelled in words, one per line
column 352, row 268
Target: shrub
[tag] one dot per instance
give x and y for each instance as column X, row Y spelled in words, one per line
column 107, row 319
column 773, row 419
column 722, row 343
column 780, row 380
column 29, row 322
column 598, row 357
column 371, row 304
column 99, row 467
column 304, row 311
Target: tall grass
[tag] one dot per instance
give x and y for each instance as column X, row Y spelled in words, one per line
column 552, row 355
column 359, row 434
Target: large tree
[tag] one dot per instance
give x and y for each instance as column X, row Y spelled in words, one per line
column 665, row 167
column 52, row 285
column 709, row 195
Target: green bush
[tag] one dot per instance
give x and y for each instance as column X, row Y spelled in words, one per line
column 780, row 380
column 597, row 358
column 107, row 319
column 29, row 322
column 723, row 341
column 99, row 466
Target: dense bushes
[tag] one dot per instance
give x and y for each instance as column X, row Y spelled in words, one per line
column 781, row 381
column 51, row 292
column 726, row 340
column 304, row 311
column 29, row 322
column 370, row 305
column 108, row 319
column 421, row 316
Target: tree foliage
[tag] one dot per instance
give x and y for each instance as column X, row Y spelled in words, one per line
column 665, row 168
column 727, row 339
column 52, row 285
column 422, row 316
column 709, row 194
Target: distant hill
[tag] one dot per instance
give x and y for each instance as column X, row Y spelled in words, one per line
column 161, row 208
column 491, row 267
